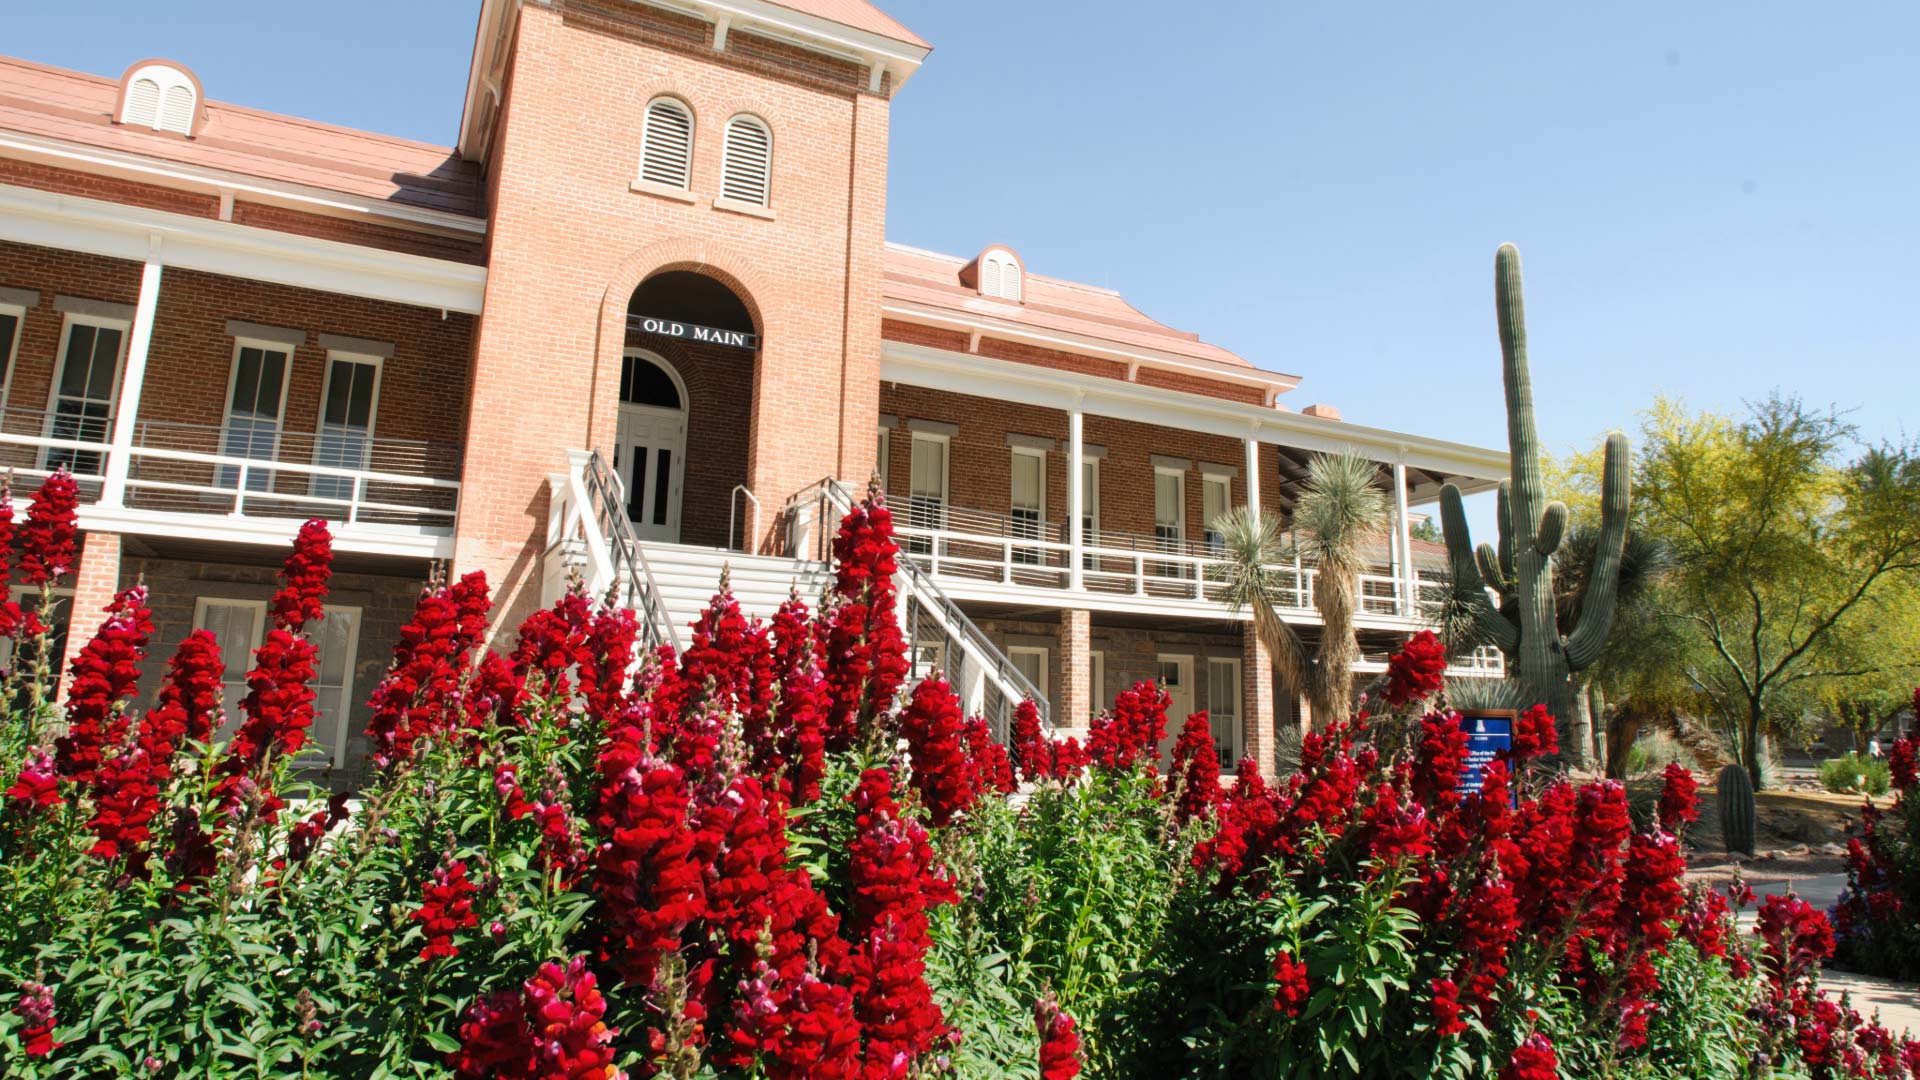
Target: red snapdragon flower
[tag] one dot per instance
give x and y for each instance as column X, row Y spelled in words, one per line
column 38, row 785
column 647, row 876
column 1029, row 747
column 1901, row 763
column 1679, row 798
column 1446, row 1008
column 553, row 1029
column 936, row 747
column 1131, row 731
column 1418, row 670
column 36, row 1011
column 1533, row 1059
column 303, row 578
column 894, row 885
column 1535, row 735
column 1440, row 759
column 48, row 552
column 1059, row 1042
column 446, row 907
column 304, row 838
column 1797, row 938
column 1290, row 989
column 413, row 701
column 1652, row 892
column 992, row 766
column 104, row 677
column 1396, row 831
column 127, row 789
column 1197, row 763
column 6, row 526
column 866, row 655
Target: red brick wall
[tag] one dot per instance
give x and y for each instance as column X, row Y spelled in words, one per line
column 68, row 182
column 980, row 463
column 571, row 241
column 422, row 387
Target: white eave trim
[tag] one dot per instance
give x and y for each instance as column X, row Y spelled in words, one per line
column 980, row 376
column 102, row 162
column 115, row 230
column 808, row 31
column 273, row 532
column 1274, row 383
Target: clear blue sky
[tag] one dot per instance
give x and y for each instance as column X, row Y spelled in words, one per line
column 1713, row 199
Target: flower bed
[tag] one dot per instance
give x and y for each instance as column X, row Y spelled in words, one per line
column 768, row 857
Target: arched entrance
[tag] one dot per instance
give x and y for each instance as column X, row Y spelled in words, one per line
column 686, row 408
column 650, row 443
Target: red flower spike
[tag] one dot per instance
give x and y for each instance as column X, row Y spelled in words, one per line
column 37, row 787
column 1059, row 1042
column 414, row 701
column 1679, row 798
column 866, row 656
column 303, row 578
column 1132, row 730
column 104, row 677
column 1030, row 749
column 446, row 907
column 936, row 747
column 1197, row 763
column 48, row 551
column 1533, row 1059
column 1446, row 1008
column 36, row 1012
column 1417, row 671
column 1535, row 735
column 6, row 527
column 1290, row 988
column 127, row 790
column 553, row 1029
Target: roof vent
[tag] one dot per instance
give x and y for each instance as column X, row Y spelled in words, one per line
column 1324, row 412
column 161, row 96
column 996, row 273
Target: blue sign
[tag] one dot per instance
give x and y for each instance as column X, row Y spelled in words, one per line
column 1488, row 733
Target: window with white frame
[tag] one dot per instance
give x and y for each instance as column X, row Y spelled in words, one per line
column 1223, row 709
column 1096, row 683
column 1089, row 508
column 349, row 400
column 1000, row 275
column 1216, row 498
column 12, row 318
column 161, row 97
column 927, row 490
column 746, row 168
column 1031, row 662
column 80, row 405
column 1027, row 514
column 256, row 400
column 240, row 625
column 666, row 144
column 1169, row 515
column 26, row 659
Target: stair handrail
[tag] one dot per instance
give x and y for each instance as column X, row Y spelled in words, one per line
column 600, row 496
column 1013, row 683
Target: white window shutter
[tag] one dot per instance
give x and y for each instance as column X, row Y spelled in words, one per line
column 748, row 167
column 143, row 103
column 1010, row 280
column 990, row 276
column 176, row 111
column 666, row 153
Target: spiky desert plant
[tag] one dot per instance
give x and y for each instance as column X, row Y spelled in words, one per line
column 1525, row 625
column 1340, row 507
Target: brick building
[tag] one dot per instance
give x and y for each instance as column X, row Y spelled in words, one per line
column 634, row 324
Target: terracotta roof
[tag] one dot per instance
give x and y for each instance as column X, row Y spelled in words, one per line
column 73, row 106
column 932, row 279
column 858, row 14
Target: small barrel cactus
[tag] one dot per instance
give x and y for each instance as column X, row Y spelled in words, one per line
column 1738, row 818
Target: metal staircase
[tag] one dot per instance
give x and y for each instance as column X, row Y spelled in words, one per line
column 938, row 633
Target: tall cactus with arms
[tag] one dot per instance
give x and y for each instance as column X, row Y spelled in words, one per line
column 1520, row 571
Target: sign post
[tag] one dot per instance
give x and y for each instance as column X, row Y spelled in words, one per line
column 1489, row 731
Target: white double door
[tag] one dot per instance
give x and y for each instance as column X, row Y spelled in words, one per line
column 650, row 453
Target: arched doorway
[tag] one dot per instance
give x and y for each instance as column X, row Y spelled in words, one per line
column 686, row 409
column 650, row 443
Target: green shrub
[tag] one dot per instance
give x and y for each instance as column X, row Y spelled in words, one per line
column 1855, row 774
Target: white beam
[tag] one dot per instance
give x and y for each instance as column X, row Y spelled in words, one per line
column 1403, row 539
column 1253, row 478
column 113, row 488
column 1076, row 498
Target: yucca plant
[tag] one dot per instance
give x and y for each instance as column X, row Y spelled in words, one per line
column 1340, row 507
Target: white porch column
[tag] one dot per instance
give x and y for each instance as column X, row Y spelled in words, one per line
column 1076, row 499
column 1403, row 537
column 113, row 488
column 1253, row 477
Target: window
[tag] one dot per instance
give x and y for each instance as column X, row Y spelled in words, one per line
column 240, row 625
column 1000, row 275
column 666, row 146
column 256, row 396
column 1169, row 516
column 11, row 318
column 1216, row 497
column 645, row 382
column 1031, row 662
column 1089, row 509
column 1029, row 501
column 28, row 597
column 927, row 493
column 746, row 170
column 161, row 97
column 1096, row 683
column 1223, row 709
column 81, row 405
column 348, row 402
column 881, row 466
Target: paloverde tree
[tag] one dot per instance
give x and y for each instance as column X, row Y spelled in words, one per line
column 1527, row 624
column 1782, row 544
column 1340, row 508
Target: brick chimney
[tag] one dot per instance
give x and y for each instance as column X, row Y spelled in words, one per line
column 1324, row 412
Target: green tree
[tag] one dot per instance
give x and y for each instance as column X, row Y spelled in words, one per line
column 1340, row 507
column 1784, row 531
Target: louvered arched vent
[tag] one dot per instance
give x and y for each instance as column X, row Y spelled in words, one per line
column 161, row 97
column 666, row 149
column 747, row 175
column 1000, row 275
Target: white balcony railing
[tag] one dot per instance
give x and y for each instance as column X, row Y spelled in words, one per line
column 960, row 544
column 399, row 484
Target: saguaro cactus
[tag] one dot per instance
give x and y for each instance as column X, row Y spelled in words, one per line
column 1520, row 571
column 1739, row 819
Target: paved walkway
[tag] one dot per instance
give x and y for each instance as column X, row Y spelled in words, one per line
column 1898, row 1003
